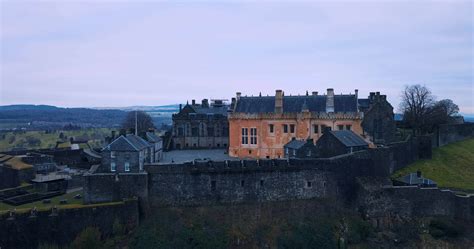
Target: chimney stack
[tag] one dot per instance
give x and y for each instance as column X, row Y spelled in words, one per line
column 193, row 102
column 315, row 93
column 330, row 100
column 279, row 101
column 205, row 103
column 357, row 99
column 180, row 107
column 238, row 95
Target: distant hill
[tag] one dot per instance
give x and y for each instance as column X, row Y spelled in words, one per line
column 27, row 107
column 52, row 117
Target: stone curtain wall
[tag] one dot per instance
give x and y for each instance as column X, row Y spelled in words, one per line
column 25, row 230
column 450, row 133
column 202, row 183
column 105, row 187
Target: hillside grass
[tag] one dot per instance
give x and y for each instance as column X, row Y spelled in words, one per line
column 11, row 140
column 452, row 166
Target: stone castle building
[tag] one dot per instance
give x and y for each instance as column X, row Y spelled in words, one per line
column 261, row 126
column 199, row 126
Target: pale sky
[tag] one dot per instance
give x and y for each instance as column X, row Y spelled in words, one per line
column 122, row 53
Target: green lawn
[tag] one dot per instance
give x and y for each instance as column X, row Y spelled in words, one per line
column 40, row 205
column 452, row 166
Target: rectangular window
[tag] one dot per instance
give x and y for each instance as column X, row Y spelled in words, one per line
column 271, row 128
column 253, row 135
column 348, row 127
column 112, row 154
column 315, row 129
column 309, row 184
column 245, row 136
column 261, row 183
column 194, row 132
column 127, row 166
column 113, row 167
column 340, row 127
column 292, row 128
column 242, row 183
column 213, row 185
column 285, row 128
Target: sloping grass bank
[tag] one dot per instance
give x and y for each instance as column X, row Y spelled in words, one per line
column 452, row 166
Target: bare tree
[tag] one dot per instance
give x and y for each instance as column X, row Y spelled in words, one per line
column 142, row 119
column 416, row 104
column 447, row 107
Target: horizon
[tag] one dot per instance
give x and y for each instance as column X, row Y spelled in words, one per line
column 99, row 54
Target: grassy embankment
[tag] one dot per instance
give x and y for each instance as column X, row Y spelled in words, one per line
column 43, row 140
column 452, row 166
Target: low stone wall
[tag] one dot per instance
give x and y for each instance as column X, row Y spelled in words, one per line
column 385, row 204
column 27, row 230
column 451, row 133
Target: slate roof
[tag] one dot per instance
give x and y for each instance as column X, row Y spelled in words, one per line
column 295, row 144
column 211, row 109
column 128, row 143
column 152, row 137
column 413, row 179
column 349, row 138
column 363, row 103
column 291, row 104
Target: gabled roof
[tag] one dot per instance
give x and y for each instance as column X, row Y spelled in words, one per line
column 291, row 104
column 152, row 137
column 413, row 179
column 349, row 138
column 139, row 142
column 295, row 144
column 127, row 143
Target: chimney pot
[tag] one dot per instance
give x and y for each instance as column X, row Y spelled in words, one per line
column 193, row 102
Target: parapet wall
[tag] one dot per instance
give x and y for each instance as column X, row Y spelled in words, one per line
column 26, row 229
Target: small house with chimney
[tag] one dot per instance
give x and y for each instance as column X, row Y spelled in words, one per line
column 126, row 154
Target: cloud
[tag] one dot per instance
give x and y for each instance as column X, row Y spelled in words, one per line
column 109, row 54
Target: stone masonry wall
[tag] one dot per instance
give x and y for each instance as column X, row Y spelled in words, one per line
column 24, row 230
column 106, row 187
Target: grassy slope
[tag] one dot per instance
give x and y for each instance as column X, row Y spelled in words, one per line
column 452, row 166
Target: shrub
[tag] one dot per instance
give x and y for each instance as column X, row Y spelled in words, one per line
column 444, row 228
column 309, row 234
column 89, row 238
column 48, row 246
